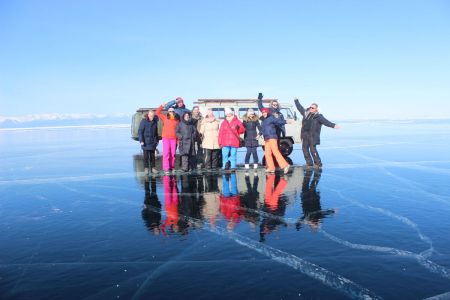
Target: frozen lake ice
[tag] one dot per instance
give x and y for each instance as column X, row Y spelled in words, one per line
column 79, row 220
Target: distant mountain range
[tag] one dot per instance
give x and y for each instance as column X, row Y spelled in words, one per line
column 61, row 120
column 52, row 120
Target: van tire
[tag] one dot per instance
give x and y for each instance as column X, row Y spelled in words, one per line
column 286, row 147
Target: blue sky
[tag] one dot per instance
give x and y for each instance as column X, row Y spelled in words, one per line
column 357, row 59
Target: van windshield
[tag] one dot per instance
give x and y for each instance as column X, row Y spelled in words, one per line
column 287, row 113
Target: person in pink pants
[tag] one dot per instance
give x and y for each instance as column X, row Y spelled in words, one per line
column 169, row 137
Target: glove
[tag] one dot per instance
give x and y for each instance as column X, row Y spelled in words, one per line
column 260, row 96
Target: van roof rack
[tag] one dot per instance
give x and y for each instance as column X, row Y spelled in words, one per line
column 228, row 100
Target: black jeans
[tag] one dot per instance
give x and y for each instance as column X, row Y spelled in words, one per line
column 250, row 151
column 211, row 158
column 149, row 154
column 200, row 153
column 310, row 151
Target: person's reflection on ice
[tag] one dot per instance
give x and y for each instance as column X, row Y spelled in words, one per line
column 191, row 201
column 230, row 201
column 170, row 224
column 274, row 205
column 211, row 197
column 249, row 202
column 151, row 212
column 312, row 210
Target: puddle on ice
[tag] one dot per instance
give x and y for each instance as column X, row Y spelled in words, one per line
column 88, row 224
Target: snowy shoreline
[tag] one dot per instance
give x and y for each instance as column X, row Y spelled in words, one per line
column 68, row 127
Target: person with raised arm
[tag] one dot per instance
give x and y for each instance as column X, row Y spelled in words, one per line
column 269, row 124
column 169, row 137
column 178, row 106
column 311, row 126
column 274, row 109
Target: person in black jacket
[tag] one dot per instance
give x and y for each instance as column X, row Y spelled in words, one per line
column 148, row 137
column 187, row 135
column 310, row 134
column 252, row 131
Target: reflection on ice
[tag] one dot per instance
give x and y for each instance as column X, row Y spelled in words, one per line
column 189, row 209
column 312, row 210
column 206, row 198
column 233, row 198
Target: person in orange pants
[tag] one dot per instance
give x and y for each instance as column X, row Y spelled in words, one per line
column 269, row 125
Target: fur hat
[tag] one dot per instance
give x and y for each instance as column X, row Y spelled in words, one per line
column 250, row 111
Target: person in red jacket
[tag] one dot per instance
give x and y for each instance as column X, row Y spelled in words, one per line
column 229, row 140
column 169, row 137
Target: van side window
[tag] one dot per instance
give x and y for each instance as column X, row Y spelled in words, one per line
column 243, row 111
column 219, row 112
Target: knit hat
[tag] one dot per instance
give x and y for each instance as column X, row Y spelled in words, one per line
column 265, row 110
column 228, row 111
column 179, row 99
column 250, row 111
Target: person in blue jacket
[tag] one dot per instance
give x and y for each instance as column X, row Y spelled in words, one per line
column 148, row 137
column 269, row 124
column 274, row 110
column 178, row 106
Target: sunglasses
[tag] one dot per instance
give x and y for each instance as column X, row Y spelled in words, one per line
column 312, row 107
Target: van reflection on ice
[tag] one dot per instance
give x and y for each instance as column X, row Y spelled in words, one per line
column 191, row 201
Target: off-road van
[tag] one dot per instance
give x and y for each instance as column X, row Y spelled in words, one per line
column 240, row 107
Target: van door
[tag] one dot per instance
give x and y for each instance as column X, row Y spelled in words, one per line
column 293, row 128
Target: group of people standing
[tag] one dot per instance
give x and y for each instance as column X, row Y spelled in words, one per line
column 207, row 142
